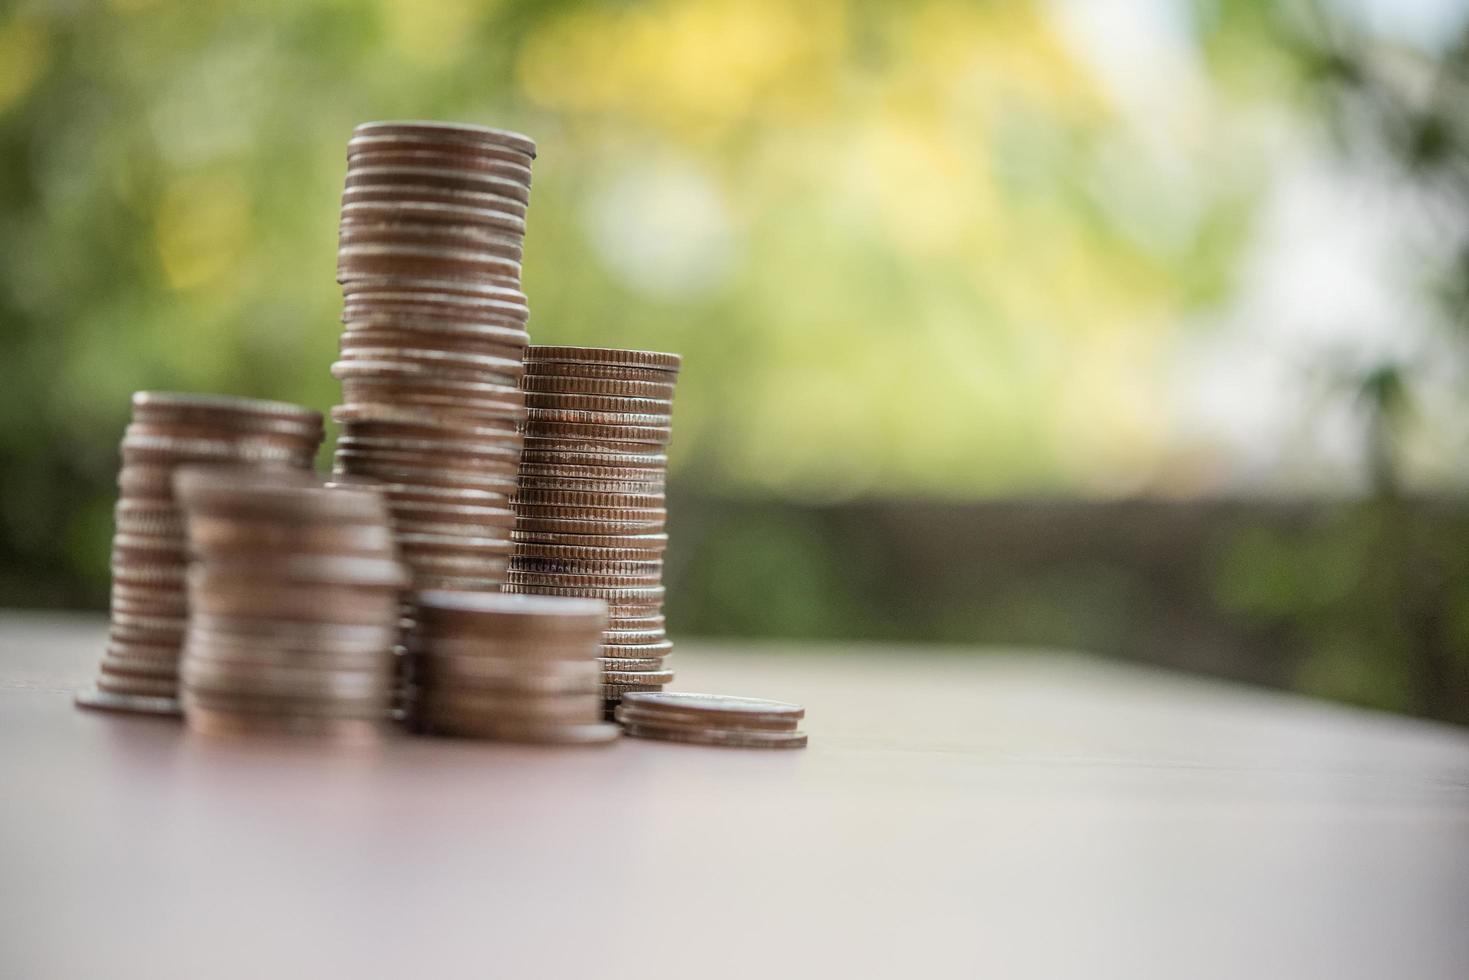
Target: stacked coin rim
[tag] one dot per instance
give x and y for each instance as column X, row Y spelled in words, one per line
column 431, row 235
column 294, row 589
column 590, row 507
column 149, row 604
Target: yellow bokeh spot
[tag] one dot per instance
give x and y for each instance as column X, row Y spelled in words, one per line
column 433, row 32
column 201, row 229
column 682, row 63
column 24, row 54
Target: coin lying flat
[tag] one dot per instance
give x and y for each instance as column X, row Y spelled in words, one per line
column 730, row 739
column 631, row 714
column 222, row 723
column 717, row 706
column 440, row 132
column 658, row 360
column 132, row 703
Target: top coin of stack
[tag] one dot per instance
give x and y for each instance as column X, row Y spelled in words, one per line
column 293, row 595
column 432, row 230
column 589, row 509
column 139, row 670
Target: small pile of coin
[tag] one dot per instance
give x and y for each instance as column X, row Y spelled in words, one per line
column 519, row 668
column 712, row 719
column 139, row 670
column 293, row 594
column 589, row 509
column 431, row 237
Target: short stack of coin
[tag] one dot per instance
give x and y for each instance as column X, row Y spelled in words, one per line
column 712, row 719
column 431, row 236
column 519, row 668
column 139, row 670
column 589, row 509
column 293, row 592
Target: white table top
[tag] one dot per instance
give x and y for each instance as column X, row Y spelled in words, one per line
column 958, row 813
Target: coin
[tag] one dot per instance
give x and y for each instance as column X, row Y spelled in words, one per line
column 450, row 133
column 717, row 706
column 614, row 434
column 430, row 211
column 510, row 613
column 595, row 733
column 630, row 713
column 656, row 648
column 496, row 673
column 520, row 576
column 746, row 740
column 586, row 478
column 588, row 566
column 277, row 681
column 132, row 703
column 127, row 684
column 648, row 677
column 346, row 731
column 618, row 506
column 535, row 521
column 615, row 664
column 597, row 372
column 649, row 596
column 600, row 406
column 227, row 409
column 646, row 543
column 657, row 360
column 557, row 386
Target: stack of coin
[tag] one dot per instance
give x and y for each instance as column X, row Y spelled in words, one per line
column 433, row 221
column 589, row 509
column 293, row 595
column 712, row 719
column 520, row 668
column 139, row 671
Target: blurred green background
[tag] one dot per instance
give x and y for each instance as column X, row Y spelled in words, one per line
column 1132, row 326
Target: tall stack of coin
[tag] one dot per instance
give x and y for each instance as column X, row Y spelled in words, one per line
column 433, row 222
column 139, row 670
column 520, row 668
column 589, row 510
column 293, row 595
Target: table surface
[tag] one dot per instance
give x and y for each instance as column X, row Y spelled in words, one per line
column 958, row 812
